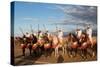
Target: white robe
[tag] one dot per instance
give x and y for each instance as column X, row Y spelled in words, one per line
column 60, row 35
column 27, row 35
column 79, row 33
column 89, row 33
column 40, row 35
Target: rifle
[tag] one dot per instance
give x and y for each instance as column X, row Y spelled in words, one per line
column 44, row 27
column 56, row 29
column 31, row 29
column 38, row 30
column 21, row 30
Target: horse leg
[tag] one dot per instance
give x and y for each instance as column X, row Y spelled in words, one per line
column 23, row 50
column 63, row 50
column 50, row 51
column 73, row 52
column 45, row 53
column 68, row 51
column 76, row 51
column 93, row 52
column 56, row 51
column 30, row 50
column 83, row 53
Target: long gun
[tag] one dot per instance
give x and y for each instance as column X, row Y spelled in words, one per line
column 21, row 30
column 38, row 30
column 44, row 27
column 56, row 29
column 31, row 29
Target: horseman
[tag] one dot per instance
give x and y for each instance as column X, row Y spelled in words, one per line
column 47, row 35
column 89, row 33
column 41, row 38
column 34, row 38
column 27, row 35
column 24, row 42
column 24, row 39
column 60, row 34
column 40, row 35
column 60, row 37
column 78, row 33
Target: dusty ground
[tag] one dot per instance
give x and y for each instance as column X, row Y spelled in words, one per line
column 21, row 60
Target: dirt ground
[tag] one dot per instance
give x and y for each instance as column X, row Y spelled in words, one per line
column 28, row 60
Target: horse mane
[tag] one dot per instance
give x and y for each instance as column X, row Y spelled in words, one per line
column 74, row 38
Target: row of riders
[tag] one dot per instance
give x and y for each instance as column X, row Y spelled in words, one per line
column 72, row 44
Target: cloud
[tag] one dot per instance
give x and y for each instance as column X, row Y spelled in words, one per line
column 80, row 15
column 88, row 13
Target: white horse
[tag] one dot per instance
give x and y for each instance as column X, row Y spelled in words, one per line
column 59, row 43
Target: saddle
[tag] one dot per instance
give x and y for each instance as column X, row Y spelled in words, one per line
column 74, row 45
column 23, row 46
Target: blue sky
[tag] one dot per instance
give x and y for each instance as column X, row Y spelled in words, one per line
column 65, row 17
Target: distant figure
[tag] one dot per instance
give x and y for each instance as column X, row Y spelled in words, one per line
column 89, row 33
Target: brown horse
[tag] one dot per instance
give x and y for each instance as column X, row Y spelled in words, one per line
column 55, row 42
column 27, row 43
column 88, row 47
column 72, row 45
column 92, row 47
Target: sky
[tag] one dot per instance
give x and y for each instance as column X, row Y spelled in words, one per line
column 28, row 15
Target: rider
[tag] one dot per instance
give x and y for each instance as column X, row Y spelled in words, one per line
column 60, row 34
column 89, row 33
column 40, row 35
column 28, row 38
column 78, row 33
column 27, row 35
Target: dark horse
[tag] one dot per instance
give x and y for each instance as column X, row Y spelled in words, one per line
column 76, row 45
column 83, row 41
column 27, row 43
column 86, row 46
column 72, row 45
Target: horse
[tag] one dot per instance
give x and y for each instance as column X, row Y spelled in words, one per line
column 87, row 46
column 27, row 43
column 55, row 42
column 48, row 45
column 92, row 49
column 62, row 44
column 72, row 45
column 83, row 45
